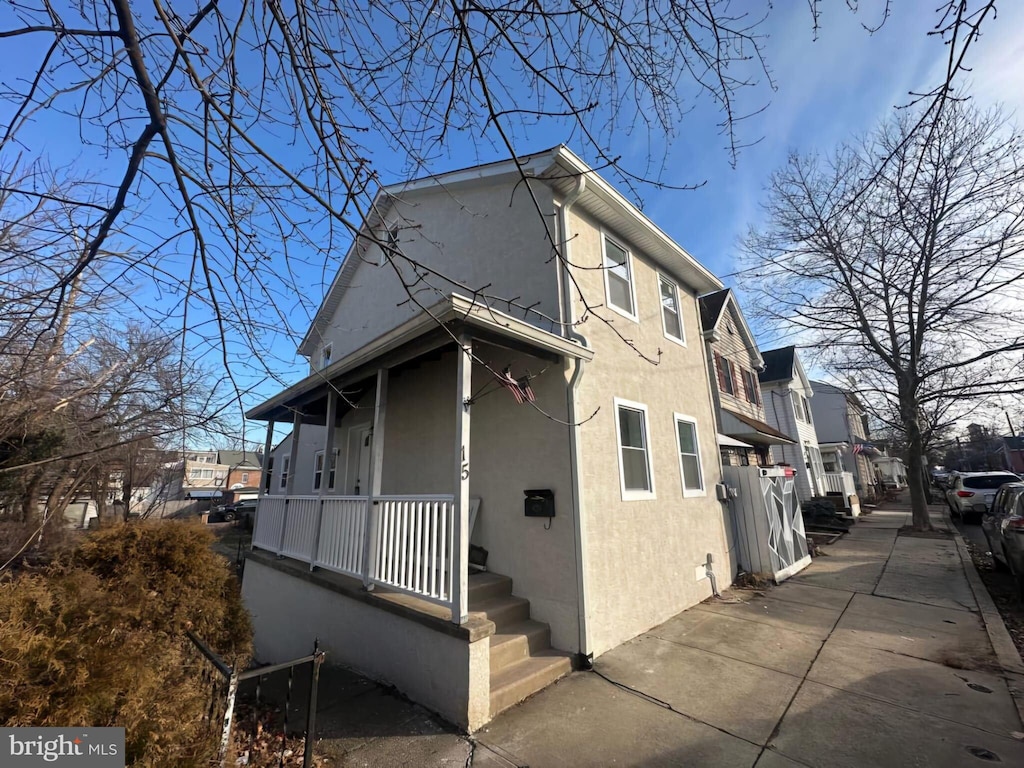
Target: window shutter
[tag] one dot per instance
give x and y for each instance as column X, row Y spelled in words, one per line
column 745, row 384
column 721, row 375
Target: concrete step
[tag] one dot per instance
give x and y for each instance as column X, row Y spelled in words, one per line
column 526, row 677
column 503, row 611
column 517, row 642
column 485, row 586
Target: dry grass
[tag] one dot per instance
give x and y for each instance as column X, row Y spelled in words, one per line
column 96, row 639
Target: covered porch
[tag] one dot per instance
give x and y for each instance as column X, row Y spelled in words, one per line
column 400, row 454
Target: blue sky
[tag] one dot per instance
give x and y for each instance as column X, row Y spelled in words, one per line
column 827, row 90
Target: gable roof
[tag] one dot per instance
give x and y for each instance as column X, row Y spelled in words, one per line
column 558, row 168
column 713, row 307
column 778, row 364
column 240, row 459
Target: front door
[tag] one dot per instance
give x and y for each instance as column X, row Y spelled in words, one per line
column 359, row 485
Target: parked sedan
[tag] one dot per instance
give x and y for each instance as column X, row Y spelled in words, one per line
column 1004, row 529
column 969, row 494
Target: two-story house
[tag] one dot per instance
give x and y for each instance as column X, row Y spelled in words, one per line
column 482, row 372
column 744, row 436
column 786, row 392
column 245, row 469
column 842, row 428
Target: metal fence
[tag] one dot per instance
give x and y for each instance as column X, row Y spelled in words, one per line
column 223, row 680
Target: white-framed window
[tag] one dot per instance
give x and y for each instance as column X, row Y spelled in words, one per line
column 618, row 278
column 636, row 479
column 671, row 317
column 326, row 354
column 194, row 473
column 690, row 470
column 284, row 472
column 807, row 410
column 245, row 478
column 389, row 235
column 318, row 469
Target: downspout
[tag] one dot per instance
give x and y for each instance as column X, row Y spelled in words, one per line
column 585, row 657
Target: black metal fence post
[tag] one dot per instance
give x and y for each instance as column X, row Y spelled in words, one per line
column 314, row 680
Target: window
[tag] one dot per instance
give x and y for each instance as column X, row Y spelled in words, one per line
column 318, row 470
column 726, row 375
column 689, row 456
column 194, row 473
column 284, row 472
column 618, row 279
column 245, row 478
column 803, row 411
column 634, row 454
column 325, row 355
column 753, row 388
column 671, row 320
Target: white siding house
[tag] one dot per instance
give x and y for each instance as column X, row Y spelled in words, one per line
column 787, row 395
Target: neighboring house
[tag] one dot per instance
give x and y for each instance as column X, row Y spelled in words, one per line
column 436, row 415
column 1013, row 450
column 842, row 426
column 245, row 470
column 745, row 438
column 787, row 394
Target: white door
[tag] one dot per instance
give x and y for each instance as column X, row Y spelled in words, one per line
column 360, row 477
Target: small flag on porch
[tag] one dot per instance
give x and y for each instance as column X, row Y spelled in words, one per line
column 520, row 388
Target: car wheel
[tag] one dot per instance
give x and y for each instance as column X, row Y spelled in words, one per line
column 229, row 516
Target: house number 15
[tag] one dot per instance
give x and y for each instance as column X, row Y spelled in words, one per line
column 465, row 465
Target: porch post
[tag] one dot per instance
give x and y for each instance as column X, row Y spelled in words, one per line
column 325, row 474
column 268, row 446
column 380, row 408
column 460, row 543
column 293, row 457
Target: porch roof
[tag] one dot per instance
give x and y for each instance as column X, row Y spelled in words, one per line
column 752, row 430
column 434, row 327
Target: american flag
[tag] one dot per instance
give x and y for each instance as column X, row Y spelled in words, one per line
column 520, row 388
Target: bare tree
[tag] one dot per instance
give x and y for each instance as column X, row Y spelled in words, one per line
column 244, row 125
column 901, row 257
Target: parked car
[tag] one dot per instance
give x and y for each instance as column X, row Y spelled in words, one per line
column 244, row 509
column 940, row 478
column 1004, row 528
column 970, row 494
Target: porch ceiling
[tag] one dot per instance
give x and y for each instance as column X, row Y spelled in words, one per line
column 435, row 327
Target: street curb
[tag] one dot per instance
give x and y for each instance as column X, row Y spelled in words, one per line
column 1007, row 656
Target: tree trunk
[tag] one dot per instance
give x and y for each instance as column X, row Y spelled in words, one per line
column 915, row 455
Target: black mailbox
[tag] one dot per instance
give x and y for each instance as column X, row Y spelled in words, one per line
column 540, row 503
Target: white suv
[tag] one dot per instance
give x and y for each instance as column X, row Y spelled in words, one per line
column 969, row 494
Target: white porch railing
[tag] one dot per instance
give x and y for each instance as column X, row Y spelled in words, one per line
column 414, row 545
column 413, row 538
column 840, row 482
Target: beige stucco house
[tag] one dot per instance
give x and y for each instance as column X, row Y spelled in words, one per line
column 510, row 356
column 744, row 436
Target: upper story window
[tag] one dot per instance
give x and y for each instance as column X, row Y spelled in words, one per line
column 390, row 236
column 803, row 410
column 726, row 375
column 618, row 279
column 671, row 319
column 635, row 475
column 752, row 387
column 326, row 355
column 245, row 478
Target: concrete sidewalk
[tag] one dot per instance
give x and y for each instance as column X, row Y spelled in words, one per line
column 877, row 654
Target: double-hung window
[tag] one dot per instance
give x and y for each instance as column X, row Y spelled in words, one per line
column 671, row 320
column 618, row 279
column 635, row 477
column 284, row 472
column 326, row 354
column 726, row 378
column 689, row 456
column 752, row 386
column 318, row 470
